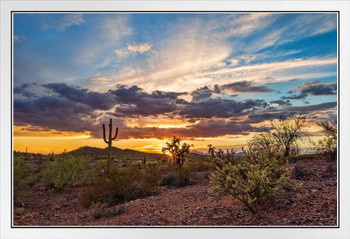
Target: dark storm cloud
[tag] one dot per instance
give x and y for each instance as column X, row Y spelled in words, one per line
column 281, row 102
column 318, row 88
column 69, row 108
column 261, row 117
column 313, row 88
column 220, row 108
column 312, row 108
column 294, row 97
column 134, row 101
column 205, row 128
column 246, row 86
column 102, row 101
column 53, row 112
column 201, row 93
column 289, row 111
column 25, row 91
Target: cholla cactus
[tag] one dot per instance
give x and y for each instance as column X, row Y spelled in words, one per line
column 109, row 142
column 176, row 152
column 219, row 158
column 258, row 178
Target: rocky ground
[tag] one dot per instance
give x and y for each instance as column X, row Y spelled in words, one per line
column 315, row 205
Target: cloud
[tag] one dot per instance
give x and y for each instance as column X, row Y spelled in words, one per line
column 281, row 102
column 246, row 24
column 201, row 93
column 53, row 112
column 135, row 101
column 220, row 108
column 134, row 48
column 139, row 48
column 25, row 90
column 204, row 128
column 272, row 113
column 101, row 101
column 314, row 88
column 18, row 38
column 312, row 108
column 65, row 22
column 246, row 86
column 116, row 27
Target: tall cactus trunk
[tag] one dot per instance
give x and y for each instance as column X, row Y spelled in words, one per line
column 109, row 143
column 109, row 157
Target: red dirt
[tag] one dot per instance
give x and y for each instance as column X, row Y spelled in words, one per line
column 315, row 205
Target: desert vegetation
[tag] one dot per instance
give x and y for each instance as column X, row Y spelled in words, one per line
column 270, row 181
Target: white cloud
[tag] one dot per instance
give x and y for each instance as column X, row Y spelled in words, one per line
column 116, row 28
column 247, row 24
column 111, row 31
column 134, row 48
column 139, row 48
column 197, row 53
column 18, row 38
column 65, row 22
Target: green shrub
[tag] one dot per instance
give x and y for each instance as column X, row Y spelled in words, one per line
column 65, row 171
column 24, row 174
column 256, row 180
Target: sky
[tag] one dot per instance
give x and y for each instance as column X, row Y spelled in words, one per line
column 207, row 78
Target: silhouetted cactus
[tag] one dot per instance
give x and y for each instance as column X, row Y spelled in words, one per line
column 109, row 142
column 26, row 154
column 144, row 160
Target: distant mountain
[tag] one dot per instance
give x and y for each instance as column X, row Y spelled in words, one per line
column 116, row 153
column 126, row 153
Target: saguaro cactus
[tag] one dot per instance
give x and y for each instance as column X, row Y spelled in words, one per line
column 144, row 160
column 109, row 142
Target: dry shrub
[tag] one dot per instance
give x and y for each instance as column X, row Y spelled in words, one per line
column 122, row 185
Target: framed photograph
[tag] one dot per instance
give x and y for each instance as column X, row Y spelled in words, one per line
column 174, row 119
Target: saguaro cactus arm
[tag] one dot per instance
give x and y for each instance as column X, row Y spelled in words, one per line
column 116, row 134
column 104, row 133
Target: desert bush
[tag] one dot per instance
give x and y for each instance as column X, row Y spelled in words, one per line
column 170, row 179
column 137, row 164
column 178, row 178
column 287, row 132
column 256, row 180
column 218, row 156
column 200, row 165
column 121, row 186
column 184, row 176
column 150, row 178
column 300, row 172
column 65, row 171
column 97, row 209
column 328, row 145
column 24, row 174
column 151, row 164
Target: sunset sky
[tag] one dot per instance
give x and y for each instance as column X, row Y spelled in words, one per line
column 215, row 78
